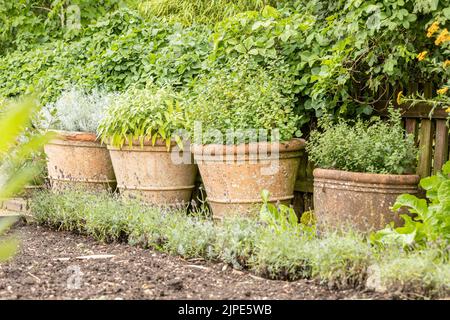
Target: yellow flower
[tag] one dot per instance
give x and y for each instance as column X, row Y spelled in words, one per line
column 442, row 90
column 446, row 63
column 447, row 110
column 400, row 97
column 432, row 29
column 422, row 55
column 442, row 37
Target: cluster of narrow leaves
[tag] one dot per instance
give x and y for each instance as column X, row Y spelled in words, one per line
column 143, row 114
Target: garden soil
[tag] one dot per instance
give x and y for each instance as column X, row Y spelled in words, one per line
column 62, row 265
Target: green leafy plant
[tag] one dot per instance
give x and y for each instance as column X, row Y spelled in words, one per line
column 188, row 12
column 374, row 146
column 113, row 52
column 265, row 37
column 182, row 57
column 143, row 114
column 281, row 218
column 240, row 97
column 77, row 110
column 27, row 23
column 429, row 220
column 7, row 247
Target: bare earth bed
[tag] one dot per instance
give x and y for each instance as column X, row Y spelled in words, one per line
column 47, row 264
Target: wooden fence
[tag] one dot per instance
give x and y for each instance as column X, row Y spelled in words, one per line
column 428, row 126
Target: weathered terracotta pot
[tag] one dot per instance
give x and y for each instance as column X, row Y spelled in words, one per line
column 234, row 175
column 359, row 200
column 78, row 159
column 150, row 173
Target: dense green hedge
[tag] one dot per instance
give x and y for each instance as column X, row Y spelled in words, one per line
column 341, row 54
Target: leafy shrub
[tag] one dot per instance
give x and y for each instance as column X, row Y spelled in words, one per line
column 429, row 221
column 281, row 218
column 281, row 255
column 182, row 57
column 265, row 37
column 374, row 146
column 340, row 260
column 24, row 24
column 112, row 53
column 149, row 114
column 198, row 11
column 76, row 110
column 189, row 237
column 437, row 62
column 243, row 96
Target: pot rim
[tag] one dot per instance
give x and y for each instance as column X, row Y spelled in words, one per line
column 75, row 136
column 364, row 177
column 295, row 144
column 147, row 143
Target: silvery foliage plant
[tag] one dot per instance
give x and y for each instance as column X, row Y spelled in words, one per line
column 77, row 110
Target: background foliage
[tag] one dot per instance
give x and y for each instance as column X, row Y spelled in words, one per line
column 375, row 146
column 240, row 97
column 341, row 55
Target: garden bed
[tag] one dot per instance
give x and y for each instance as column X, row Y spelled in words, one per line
column 42, row 267
column 264, row 248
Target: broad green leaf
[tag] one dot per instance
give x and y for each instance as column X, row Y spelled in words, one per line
column 270, row 12
column 414, row 204
column 444, row 193
column 446, row 166
column 293, row 219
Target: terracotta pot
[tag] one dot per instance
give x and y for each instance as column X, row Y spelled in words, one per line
column 78, row 159
column 234, row 175
column 150, row 174
column 361, row 200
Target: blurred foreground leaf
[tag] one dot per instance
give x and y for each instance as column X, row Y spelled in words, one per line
column 15, row 170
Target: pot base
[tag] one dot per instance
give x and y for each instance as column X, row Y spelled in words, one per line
column 222, row 210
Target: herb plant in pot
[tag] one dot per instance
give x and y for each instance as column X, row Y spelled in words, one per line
column 76, row 158
column 143, row 130
column 242, row 123
column 362, row 167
